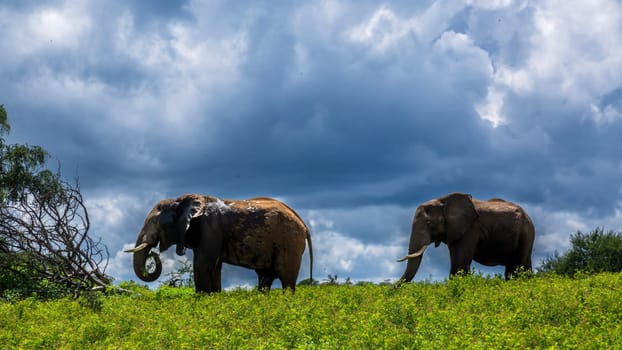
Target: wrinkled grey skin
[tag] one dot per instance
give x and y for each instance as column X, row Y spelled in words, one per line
column 258, row 233
column 493, row 232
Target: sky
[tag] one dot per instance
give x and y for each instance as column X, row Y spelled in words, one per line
column 351, row 112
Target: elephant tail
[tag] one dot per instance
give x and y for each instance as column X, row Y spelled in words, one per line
column 310, row 256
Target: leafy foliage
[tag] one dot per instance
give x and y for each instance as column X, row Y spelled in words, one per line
column 45, row 249
column 4, row 121
column 21, row 169
column 182, row 277
column 308, row 282
column 471, row 312
column 597, row 251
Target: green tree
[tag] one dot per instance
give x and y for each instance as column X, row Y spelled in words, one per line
column 21, row 168
column 44, row 244
column 182, row 277
column 4, row 122
column 597, row 251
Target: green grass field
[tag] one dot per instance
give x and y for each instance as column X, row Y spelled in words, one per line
column 470, row 312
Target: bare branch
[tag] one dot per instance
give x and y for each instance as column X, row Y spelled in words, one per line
column 47, row 233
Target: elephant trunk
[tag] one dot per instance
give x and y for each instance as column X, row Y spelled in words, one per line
column 411, row 269
column 147, row 264
column 418, row 244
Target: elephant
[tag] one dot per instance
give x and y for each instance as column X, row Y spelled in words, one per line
column 260, row 233
column 492, row 232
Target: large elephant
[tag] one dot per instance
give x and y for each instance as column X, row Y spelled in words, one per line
column 259, row 233
column 493, row 232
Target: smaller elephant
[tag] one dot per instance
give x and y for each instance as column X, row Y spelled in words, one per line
column 258, row 233
column 492, row 232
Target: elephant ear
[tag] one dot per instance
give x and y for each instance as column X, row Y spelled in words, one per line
column 460, row 214
column 167, row 212
column 189, row 207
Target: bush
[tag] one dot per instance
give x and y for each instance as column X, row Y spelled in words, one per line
column 463, row 312
column 597, row 251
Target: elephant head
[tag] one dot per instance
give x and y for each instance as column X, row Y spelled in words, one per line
column 445, row 219
column 165, row 225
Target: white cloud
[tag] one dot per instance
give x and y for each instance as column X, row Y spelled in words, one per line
column 180, row 72
column 43, row 29
column 337, row 253
column 519, row 80
column 433, row 22
column 64, row 27
column 318, row 222
column 109, row 211
column 573, row 50
column 189, row 71
column 490, row 4
column 491, row 108
column 573, row 55
column 381, row 32
column 463, row 64
column 149, row 48
column 605, row 116
column 183, row 51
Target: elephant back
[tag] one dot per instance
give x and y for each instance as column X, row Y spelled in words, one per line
column 271, row 204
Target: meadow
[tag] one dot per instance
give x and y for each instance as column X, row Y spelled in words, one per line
column 470, row 312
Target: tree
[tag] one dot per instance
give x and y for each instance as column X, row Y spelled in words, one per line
column 597, row 251
column 44, row 244
column 182, row 277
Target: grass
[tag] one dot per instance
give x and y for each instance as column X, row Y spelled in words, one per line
column 471, row 312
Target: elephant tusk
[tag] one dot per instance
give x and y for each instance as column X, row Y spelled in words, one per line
column 413, row 255
column 138, row 248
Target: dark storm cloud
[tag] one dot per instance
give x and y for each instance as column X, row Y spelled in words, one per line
column 570, row 160
column 164, row 10
column 365, row 124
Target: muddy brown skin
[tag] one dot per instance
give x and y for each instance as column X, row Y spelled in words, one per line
column 492, row 232
column 258, row 233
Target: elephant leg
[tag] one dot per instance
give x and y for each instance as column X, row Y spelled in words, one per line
column 216, row 276
column 201, row 275
column 461, row 256
column 521, row 261
column 288, row 284
column 287, row 266
column 460, row 268
column 265, row 278
column 288, row 279
column 510, row 269
column 525, row 249
column 206, row 273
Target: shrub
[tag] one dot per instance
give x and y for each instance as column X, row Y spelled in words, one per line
column 597, row 251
